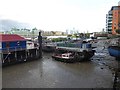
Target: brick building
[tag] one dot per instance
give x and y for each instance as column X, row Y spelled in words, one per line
column 113, row 19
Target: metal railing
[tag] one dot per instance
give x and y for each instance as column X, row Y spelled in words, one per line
column 11, row 49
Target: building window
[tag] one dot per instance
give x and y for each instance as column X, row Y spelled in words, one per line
column 18, row 43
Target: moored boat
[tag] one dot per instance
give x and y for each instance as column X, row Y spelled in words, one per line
column 48, row 48
column 72, row 52
column 73, row 56
column 114, row 51
column 65, row 57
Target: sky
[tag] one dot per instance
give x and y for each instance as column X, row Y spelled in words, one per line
column 59, row 15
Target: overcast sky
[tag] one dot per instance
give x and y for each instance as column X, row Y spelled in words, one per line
column 59, row 15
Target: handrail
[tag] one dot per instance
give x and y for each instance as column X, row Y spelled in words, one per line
column 13, row 48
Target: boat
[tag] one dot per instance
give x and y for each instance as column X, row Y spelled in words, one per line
column 73, row 52
column 114, row 51
column 48, row 48
column 70, row 57
column 65, row 57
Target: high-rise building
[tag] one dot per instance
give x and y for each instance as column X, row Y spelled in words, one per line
column 113, row 19
column 109, row 22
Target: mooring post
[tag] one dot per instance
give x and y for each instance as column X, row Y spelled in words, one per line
column 40, row 44
column 115, row 80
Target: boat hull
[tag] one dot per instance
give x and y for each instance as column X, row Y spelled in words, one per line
column 83, row 56
column 48, row 48
column 114, row 51
column 71, row 60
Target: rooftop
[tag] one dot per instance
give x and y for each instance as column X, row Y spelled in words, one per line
column 10, row 37
column 115, row 8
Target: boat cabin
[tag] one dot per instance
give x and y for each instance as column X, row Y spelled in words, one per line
column 67, row 55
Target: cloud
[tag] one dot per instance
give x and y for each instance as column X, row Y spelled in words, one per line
column 6, row 25
column 58, row 14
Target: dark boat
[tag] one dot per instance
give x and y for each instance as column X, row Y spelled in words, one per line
column 48, row 48
column 114, row 51
column 73, row 52
column 71, row 57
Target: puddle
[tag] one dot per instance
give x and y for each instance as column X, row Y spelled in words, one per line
column 100, row 54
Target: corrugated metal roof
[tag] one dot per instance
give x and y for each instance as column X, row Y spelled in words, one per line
column 10, row 37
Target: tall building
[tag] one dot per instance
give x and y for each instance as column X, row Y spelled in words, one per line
column 113, row 19
column 109, row 22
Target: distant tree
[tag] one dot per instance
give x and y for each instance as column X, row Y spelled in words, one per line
column 87, row 34
column 53, row 32
column 76, row 35
column 58, row 39
column 62, row 33
column 33, row 32
column 81, row 35
column 15, row 29
column 69, row 36
column 34, row 29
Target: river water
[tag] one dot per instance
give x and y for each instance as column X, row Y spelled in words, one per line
column 48, row 73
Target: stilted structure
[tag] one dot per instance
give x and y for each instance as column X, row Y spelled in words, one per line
column 14, row 50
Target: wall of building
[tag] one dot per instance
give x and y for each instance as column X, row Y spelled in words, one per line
column 14, row 45
column 115, row 21
column 109, row 22
column 119, row 18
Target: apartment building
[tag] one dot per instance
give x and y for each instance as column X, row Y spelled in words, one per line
column 109, row 22
column 113, row 20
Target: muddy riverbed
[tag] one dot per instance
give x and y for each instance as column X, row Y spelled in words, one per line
column 48, row 73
